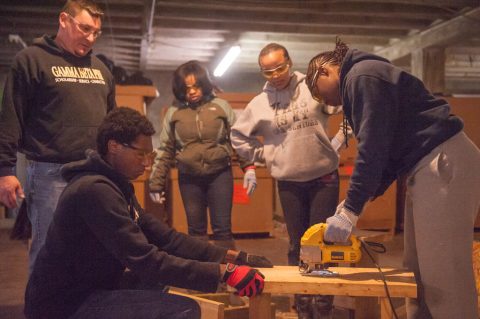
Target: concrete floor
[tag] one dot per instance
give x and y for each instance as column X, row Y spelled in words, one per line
column 13, row 267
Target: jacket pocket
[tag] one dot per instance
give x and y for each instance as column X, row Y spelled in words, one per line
column 203, row 159
column 443, row 167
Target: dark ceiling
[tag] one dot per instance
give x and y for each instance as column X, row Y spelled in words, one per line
column 151, row 35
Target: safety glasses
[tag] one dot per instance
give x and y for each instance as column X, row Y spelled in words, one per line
column 279, row 70
column 85, row 28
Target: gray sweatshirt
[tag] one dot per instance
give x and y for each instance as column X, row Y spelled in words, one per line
column 293, row 130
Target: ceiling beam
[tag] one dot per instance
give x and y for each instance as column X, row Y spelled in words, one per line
column 410, row 9
column 442, row 34
column 261, row 26
column 306, row 19
column 124, row 11
column 147, row 31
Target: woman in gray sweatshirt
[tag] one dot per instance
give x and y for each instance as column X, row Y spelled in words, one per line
column 297, row 152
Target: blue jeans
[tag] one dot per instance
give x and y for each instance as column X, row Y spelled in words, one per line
column 214, row 191
column 43, row 189
column 137, row 304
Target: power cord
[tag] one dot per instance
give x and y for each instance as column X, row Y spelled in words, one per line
column 380, row 249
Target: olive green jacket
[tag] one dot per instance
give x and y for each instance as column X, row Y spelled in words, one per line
column 197, row 139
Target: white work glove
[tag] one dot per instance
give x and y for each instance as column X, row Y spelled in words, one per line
column 250, row 181
column 158, row 198
column 339, row 226
column 339, row 139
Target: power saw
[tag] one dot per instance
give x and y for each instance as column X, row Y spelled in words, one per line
column 316, row 254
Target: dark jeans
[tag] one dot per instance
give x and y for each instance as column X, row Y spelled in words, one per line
column 137, row 304
column 215, row 192
column 305, row 204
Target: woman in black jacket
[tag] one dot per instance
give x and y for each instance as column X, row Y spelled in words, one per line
column 403, row 130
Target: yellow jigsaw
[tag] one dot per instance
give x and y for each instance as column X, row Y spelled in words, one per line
column 316, row 254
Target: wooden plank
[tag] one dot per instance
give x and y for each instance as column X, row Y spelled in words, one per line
column 210, row 309
column 136, row 90
column 385, row 309
column 260, row 307
column 350, row 282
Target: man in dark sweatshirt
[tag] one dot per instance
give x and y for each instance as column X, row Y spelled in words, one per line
column 99, row 230
column 55, row 96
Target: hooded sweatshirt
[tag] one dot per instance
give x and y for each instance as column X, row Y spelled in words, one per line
column 52, row 104
column 395, row 120
column 293, row 126
column 96, row 234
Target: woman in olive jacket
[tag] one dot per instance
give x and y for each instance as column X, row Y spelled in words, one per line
column 195, row 134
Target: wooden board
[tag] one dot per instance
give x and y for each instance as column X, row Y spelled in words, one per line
column 210, row 309
column 351, row 281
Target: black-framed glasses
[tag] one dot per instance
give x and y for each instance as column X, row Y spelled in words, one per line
column 279, row 70
column 85, row 28
column 141, row 154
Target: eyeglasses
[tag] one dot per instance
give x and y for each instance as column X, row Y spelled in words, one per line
column 313, row 86
column 86, row 29
column 141, row 154
column 279, row 70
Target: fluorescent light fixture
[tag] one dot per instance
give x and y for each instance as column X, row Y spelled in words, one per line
column 227, row 60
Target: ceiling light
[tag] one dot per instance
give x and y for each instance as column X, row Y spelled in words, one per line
column 227, row 60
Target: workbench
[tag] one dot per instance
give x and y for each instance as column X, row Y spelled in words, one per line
column 352, row 281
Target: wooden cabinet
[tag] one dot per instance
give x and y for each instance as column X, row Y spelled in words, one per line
column 137, row 97
column 379, row 214
column 252, row 214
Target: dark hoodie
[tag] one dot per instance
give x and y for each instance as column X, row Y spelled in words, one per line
column 52, row 104
column 95, row 236
column 395, row 120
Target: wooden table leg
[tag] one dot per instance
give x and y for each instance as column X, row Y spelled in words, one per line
column 385, row 308
column 260, row 307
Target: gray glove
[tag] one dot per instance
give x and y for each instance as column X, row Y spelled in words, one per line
column 158, row 198
column 339, row 226
column 250, row 181
column 252, row 260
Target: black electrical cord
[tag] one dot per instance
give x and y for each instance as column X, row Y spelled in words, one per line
column 379, row 248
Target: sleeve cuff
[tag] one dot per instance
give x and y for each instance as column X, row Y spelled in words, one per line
column 7, row 171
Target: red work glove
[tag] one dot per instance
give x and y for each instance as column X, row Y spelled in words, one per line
column 248, row 281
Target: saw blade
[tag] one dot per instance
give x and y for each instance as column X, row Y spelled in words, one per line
column 321, row 273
